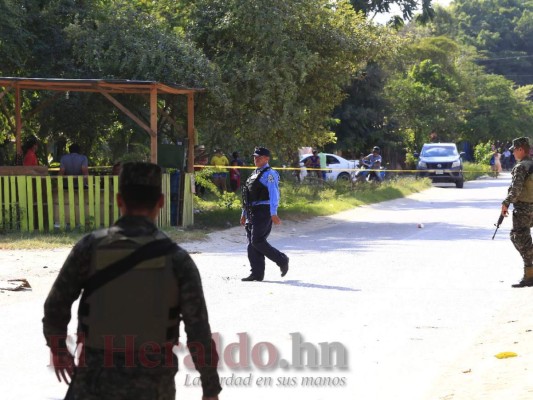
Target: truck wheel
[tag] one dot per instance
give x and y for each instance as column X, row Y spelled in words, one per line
column 459, row 184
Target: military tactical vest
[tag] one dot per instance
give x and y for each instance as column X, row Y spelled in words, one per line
column 138, row 307
column 526, row 196
column 254, row 189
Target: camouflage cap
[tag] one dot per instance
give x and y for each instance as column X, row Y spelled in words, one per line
column 519, row 142
column 140, row 174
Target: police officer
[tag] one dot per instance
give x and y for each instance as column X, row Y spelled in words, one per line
column 520, row 194
column 136, row 286
column 260, row 210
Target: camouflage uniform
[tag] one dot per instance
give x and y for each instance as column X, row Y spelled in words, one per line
column 522, row 210
column 94, row 379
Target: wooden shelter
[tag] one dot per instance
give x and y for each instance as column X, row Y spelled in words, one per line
column 108, row 88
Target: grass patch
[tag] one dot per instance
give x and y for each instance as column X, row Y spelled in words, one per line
column 301, row 202
column 472, row 171
column 33, row 241
column 49, row 241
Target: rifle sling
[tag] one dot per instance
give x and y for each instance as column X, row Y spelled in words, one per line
column 154, row 249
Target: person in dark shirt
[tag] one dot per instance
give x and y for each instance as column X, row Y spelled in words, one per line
column 74, row 163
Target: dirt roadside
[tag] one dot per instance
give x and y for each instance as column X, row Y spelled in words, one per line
column 478, row 374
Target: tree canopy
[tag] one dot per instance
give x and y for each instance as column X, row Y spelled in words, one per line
column 284, row 74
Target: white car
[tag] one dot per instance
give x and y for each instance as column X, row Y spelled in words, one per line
column 338, row 168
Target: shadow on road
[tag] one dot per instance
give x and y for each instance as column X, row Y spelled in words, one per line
column 314, row 285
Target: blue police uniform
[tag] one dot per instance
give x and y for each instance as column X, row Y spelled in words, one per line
column 261, row 199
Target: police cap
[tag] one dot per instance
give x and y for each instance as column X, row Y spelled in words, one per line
column 520, row 142
column 261, row 151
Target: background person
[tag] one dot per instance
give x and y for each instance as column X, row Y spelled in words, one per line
column 141, row 304
column 29, row 150
column 495, row 163
column 313, row 163
column 374, row 161
column 235, row 173
column 219, row 177
column 260, row 210
column 520, row 194
column 506, row 159
column 74, row 163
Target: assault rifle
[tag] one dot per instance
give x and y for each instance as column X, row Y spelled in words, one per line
column 497, row 225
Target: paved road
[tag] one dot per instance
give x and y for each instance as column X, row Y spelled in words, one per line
column 398, row 303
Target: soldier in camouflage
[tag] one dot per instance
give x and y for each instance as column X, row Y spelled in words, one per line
column 128, row 323
column 520, row 194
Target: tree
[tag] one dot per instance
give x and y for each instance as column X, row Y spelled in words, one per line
column 425, row 93
column 115, row 40
column 499, row 112
column 284, row 65
column 500, row 30
column 362, row 115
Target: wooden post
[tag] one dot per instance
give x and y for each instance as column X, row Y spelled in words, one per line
column 190, row 132
column 18, row 122
column 153, row 124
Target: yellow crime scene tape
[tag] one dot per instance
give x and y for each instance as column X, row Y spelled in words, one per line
column 330, row 169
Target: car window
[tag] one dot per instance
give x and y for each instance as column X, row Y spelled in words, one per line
column 439, row 151
column 331, row 160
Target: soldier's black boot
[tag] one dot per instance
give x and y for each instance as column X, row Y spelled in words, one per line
column 527, row 280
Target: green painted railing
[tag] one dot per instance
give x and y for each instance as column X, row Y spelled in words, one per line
column 51, row 203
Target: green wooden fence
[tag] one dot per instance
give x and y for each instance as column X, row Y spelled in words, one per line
column 52, row 203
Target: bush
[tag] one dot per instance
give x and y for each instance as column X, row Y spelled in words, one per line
column 483, row 153
column 410, row 161
column 473, row 171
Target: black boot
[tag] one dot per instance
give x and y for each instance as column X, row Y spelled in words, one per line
column 285, row 267
column 527, row 280
column 251, row 278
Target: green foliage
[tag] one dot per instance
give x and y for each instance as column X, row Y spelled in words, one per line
column 284, row 65
column 472, row 171
column 122, row 42
column 498, row 111
column 229, row 200
column 410, row 161
column 274, row 71
column 482, row 153
column 362, row 115
column 424, row 93
column 500, row 30
column 204, row 179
